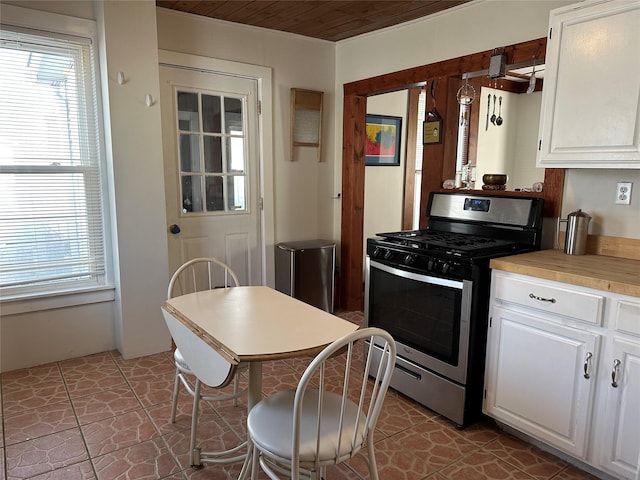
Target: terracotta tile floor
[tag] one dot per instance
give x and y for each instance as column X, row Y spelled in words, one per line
column 103, row 417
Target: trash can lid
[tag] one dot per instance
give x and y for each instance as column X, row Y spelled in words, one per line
column 305, row 244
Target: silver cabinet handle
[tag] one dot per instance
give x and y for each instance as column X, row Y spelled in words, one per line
column 542, row 299
column 614, row 373
column 587, row 365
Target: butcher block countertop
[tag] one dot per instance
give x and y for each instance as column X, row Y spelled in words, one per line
column 611, row 274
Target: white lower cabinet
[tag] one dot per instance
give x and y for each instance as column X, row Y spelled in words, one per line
column 618, row 447
column 536, row 381
column 563, row 366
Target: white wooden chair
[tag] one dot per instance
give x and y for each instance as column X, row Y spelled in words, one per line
column 196, row 275
column 300, row 432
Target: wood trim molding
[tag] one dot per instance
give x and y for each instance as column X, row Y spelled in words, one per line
column 410, row 160
column 353, row 142
column 355, row 100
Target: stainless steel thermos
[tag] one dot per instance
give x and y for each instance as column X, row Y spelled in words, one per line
column 575, row 241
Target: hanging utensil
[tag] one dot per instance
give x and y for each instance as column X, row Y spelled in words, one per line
column 493, row 117
column 532, row 80
column 433, row 113
column 499, row 119
column 486, row 127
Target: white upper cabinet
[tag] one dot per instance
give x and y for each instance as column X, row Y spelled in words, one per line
column 591, row 98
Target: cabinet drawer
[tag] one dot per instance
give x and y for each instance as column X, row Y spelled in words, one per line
column 554, row 299
column 627, row 317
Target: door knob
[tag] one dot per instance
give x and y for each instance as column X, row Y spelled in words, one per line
column 175, row 229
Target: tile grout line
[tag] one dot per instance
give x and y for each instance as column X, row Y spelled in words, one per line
column 75, row 414
column 162, row 437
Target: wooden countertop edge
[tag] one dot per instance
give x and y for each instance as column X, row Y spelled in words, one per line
column 573, row 279
column 562, row 273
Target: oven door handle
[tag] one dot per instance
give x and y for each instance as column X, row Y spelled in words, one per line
column 425, row 278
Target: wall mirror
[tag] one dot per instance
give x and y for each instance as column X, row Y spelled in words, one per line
column 437, row 164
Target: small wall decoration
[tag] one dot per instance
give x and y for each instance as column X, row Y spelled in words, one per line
column 432, row 131
column 383, row 135
column 306, row 119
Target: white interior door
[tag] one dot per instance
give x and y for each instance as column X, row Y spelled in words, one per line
column 210, row 147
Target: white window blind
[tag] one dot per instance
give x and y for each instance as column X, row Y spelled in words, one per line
column 51, row 208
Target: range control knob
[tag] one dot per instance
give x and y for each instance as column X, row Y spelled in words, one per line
column 377, row 252
column 388, row 254
column 431, row 264
column 409, row 259
column 446, row 267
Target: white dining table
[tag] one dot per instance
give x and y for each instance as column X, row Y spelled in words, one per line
column 255, row 324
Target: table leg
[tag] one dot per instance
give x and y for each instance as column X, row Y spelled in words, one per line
column 254, row 395
column 255, row 384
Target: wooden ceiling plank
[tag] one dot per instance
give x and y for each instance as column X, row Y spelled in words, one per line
column 331, row 20
column 182, row 5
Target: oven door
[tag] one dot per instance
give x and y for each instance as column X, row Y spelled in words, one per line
column 428, row 316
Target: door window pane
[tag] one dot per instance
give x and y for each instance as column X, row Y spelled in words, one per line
column 191, row 193
column 211, row 115
column 215, row 198
column 212, row 154
column 189, row 153
column 235, row 154
column 236, row 192
column 233, row 116
column 188, row 112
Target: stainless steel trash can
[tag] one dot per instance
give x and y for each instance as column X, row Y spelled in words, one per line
column 305, row 270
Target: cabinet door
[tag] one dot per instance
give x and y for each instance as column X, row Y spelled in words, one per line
column 590, row 115
column 620, row 446
column 536, row 380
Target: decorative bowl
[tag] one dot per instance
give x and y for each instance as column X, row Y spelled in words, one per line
column 494, row 179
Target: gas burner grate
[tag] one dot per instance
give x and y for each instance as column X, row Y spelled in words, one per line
column 429, row 239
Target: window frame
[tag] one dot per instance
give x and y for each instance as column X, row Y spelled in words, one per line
column 84, row 31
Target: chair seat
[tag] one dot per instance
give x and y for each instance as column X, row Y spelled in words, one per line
column 180, row 361
column 270, row 424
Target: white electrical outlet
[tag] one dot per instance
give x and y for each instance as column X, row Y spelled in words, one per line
column 623, row 193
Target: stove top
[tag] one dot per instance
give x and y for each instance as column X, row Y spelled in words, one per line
column 453, row 243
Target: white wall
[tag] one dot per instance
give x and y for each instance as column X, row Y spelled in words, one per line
column 131, row 323
column 384, row 185
column 509, row 148
column 594, row 192
column 134, row 151
column 526, row 141
column 304, row 187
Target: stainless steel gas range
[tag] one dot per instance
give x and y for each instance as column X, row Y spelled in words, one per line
column 430, row 290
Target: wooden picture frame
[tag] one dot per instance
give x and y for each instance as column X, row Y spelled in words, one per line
column 432, row 131
column 306, row 120
column 383, row 140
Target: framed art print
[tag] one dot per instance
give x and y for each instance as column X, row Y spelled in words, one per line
column 383, row 134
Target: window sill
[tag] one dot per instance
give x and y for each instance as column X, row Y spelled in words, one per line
column 40, row 302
